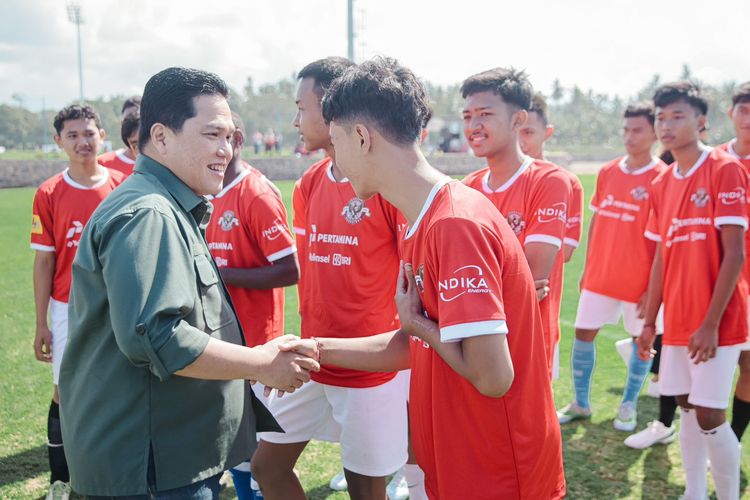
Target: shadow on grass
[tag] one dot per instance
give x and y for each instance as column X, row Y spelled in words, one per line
column 320, row 492
column 23, row 465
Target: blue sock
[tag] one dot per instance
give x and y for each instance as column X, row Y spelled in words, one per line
column 584, row 357
column 637, row 371
column 242, row 479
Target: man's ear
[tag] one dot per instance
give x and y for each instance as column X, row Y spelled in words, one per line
column 363, row 135
column 549, row 132
column 159, row 137
column 519, row 119
column 58, row 140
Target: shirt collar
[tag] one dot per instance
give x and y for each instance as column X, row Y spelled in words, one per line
column 183, row 195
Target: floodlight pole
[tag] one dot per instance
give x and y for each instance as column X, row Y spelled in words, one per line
column 74, row 15
column 350, row 30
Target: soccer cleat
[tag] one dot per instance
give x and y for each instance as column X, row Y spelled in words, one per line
column 655, row 433
column 653, row 389
column 572, row 412
column 59, row 491
column 624, row 348
column 626, row 419
column 397, row 489
column 338, row 482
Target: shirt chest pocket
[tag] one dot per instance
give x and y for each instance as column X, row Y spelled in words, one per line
column 216, row 311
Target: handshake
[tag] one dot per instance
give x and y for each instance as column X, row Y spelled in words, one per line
column 287, row 363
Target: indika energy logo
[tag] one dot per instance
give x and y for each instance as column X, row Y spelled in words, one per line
column 737, row 195
column 466, row 279
column 558, row 211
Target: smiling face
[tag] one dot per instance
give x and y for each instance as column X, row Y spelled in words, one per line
column 199, row 153
column 309, row 118
column 490, row 124
column 638, row 135
column 80, row 139
column 678, row 125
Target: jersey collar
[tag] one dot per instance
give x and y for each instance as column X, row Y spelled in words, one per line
column 642, row 170
column 695, row 167
column 69, row 180
column 120, row 153
column 486, row 179
column 731, row 150
column 229, row 186
column 329, row 172
column 430, row 198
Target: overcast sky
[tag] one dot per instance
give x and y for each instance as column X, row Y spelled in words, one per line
column 612, row 46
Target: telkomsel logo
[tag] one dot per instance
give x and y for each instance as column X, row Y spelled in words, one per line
column 466, row 279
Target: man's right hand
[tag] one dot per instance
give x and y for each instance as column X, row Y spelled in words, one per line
column 285, row 371
column 542, row 288
column 43, row 344
column 646, row 342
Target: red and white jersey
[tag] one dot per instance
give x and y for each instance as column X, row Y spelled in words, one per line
column 535, row 203
column 349, row 263
column 574, row 222
column 117, row 160
column 618, row 262
column 61, row 209
column 248, row 229
column 687, row 212
column 745, row 162
column 473, row 280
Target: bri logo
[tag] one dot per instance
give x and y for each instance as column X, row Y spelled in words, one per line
column 466, row 279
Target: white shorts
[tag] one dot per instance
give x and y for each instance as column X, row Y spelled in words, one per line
column 596, row 310
column 556, row 362
column 707, row 384
column 370, row 423
column 58, row 315
column 404, row 376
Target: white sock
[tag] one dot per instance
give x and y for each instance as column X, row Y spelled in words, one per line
column 724, row 452
column 415, row 480
column 694, row 456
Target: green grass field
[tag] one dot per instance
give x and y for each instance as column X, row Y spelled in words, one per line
column 597, row 464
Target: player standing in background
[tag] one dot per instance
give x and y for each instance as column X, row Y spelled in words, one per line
column 739, row 148
column 533, row 195
column 349, row 264
column 699, row 216
column 618, row 264
column 123, row 159
column 254, row 250
column 62, row 206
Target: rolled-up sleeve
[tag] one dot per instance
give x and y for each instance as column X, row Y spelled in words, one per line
column 151, row 287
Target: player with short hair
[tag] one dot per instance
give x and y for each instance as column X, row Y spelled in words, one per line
column 618, row 265
column 533, row 195
column 348, row 249
column 62, row 207
column 123, row 160
column 739, row 148
column 699, row 217
column 466, row 295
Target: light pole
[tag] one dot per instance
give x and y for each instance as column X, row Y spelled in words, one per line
column 74, row 16
column 350, row 30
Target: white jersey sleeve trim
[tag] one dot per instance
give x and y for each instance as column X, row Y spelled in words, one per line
column 731, row 220
column 281, row 254
column 652, row 236
column 454, row 333
column 593, row 208
column 571, row 242
column 300, row 231
column 543, row 238
column 42, row 248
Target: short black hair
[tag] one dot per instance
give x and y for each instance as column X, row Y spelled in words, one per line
column 539, row 106
column 510, row 84
column 238, row 123
column 324, row 71
column 131, row 102
column 642, row 108
column 129, row 126
column 168, row 98
column 741, row 94
column 685, row 91
column 383, row 92
column 75, row 112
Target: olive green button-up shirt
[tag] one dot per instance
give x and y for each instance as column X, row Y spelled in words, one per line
column 145, row 298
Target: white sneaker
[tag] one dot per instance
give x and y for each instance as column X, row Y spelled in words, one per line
column 654, row 433
column 626, row 419
column 59, row 491
column 338, row 482
column 572, row 412
column 653, row 389
column 398, row 489
column 624, row 348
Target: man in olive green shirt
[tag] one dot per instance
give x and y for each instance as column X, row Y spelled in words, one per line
column 154, row 398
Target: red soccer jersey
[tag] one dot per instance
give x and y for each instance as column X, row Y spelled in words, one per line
column 745, row 162
column 686, row 214
column 535, row 203
column 61, row 209
column 574, row 222
column 349, row 264
column 249, row 229
column 116, row 160
column 473, row 279
column 618, row 262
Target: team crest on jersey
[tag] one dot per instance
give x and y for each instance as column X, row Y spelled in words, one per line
column 355, row 211
column 228, row 220
column 639, row 193
column 516, row 222
column 419, row 278
column 700, row 198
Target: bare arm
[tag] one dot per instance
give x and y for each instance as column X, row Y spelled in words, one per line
column 44, row 273
column 653, row 303
column 588, row 248
column 283, row 272
column 541, row 259
column 568, row 252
